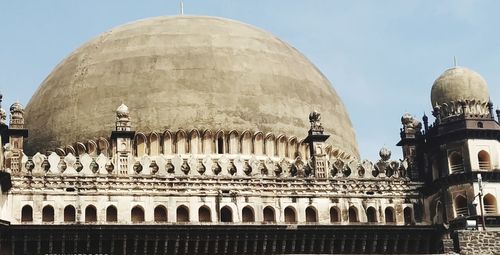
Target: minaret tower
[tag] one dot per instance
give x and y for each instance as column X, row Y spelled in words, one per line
column 461, row 147
column 122, row 139
column 16, row 134
column 316, row 140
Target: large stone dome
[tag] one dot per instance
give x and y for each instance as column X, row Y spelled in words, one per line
column 459, row 83
column 185, row 72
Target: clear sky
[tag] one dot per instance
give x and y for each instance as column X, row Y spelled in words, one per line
column 381, row 56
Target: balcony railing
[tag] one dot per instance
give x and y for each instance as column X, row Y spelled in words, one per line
column 490, row 209
column 462, row 211
column 458, row 168
column 484, row 165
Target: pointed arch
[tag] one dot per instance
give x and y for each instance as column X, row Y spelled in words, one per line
column 207, row 142
column 140, row 144
column 484, row 160
column 90, row 214
column 167, row 143
column 70, row 149
column 247, row 214
column 490, row 204
column 69, row 213
column 204, row 214
column 194, row 142
column 180, row 142
column 233, row 142
column 292, row 147
column 48, row 213
column 281, row 146
column 137, row 214
column 258, row 143
column 111, row 214
column 91, row 147
column 160, row 214
column 371, row 214
column 246, row 143
column 408, row 215
column 456, row 162
column 270, row 145
column 154, row 144
column 290, row 215
column 103, row 146
column 80, row 148
column 27, row 213
column 389, row 215
column 182, row 214
column 311, row 214
column 353, row 214
column 220, row 142
column 226, row 214
column 269, row 214
column 334, row 214
column 461, row 208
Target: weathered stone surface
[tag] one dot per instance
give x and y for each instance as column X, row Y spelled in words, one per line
column 185, row 72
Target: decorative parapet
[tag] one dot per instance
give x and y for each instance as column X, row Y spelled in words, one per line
column 462, row 109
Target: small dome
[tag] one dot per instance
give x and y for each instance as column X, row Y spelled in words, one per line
column 385, row 154
column 122, row 110
column 459, row 83
column 16, row 107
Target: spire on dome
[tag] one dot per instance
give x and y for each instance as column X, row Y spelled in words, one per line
column 123, row 118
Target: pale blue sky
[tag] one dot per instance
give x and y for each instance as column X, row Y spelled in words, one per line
column 381, row 56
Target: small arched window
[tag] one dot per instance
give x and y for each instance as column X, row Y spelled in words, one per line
column 48, row 214
column 490, row 204
column 204, row 214
column 160, row 214
column 408, row 215
column 371, row 214
column 246, row 143
column 290, row 215
column 484, row 160
column 258, row 144
column 226, row 214
column 353, row 214
column 180, row 142
column 311, row 215
column 269, row 215
column 389, row 215
column 334, row 214
column 154, row 144
column 247, row 214
column 69, row 214
column 182, row 214
column 137, row 214
column 111, row 214
column 456, row 162
column 461, row 206
column 90, row 214
column 27, row 214
column 140, row 144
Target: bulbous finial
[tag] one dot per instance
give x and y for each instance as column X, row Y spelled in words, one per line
column 384, row 153
column 406, row 119
column 122, row 111
column 16, row 108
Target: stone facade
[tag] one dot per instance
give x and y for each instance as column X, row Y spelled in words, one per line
column 175, row 180
column 477, row 242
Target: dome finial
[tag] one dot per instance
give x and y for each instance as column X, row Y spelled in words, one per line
column 454, row 61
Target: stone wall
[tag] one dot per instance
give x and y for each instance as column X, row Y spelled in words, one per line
column 478, row 242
